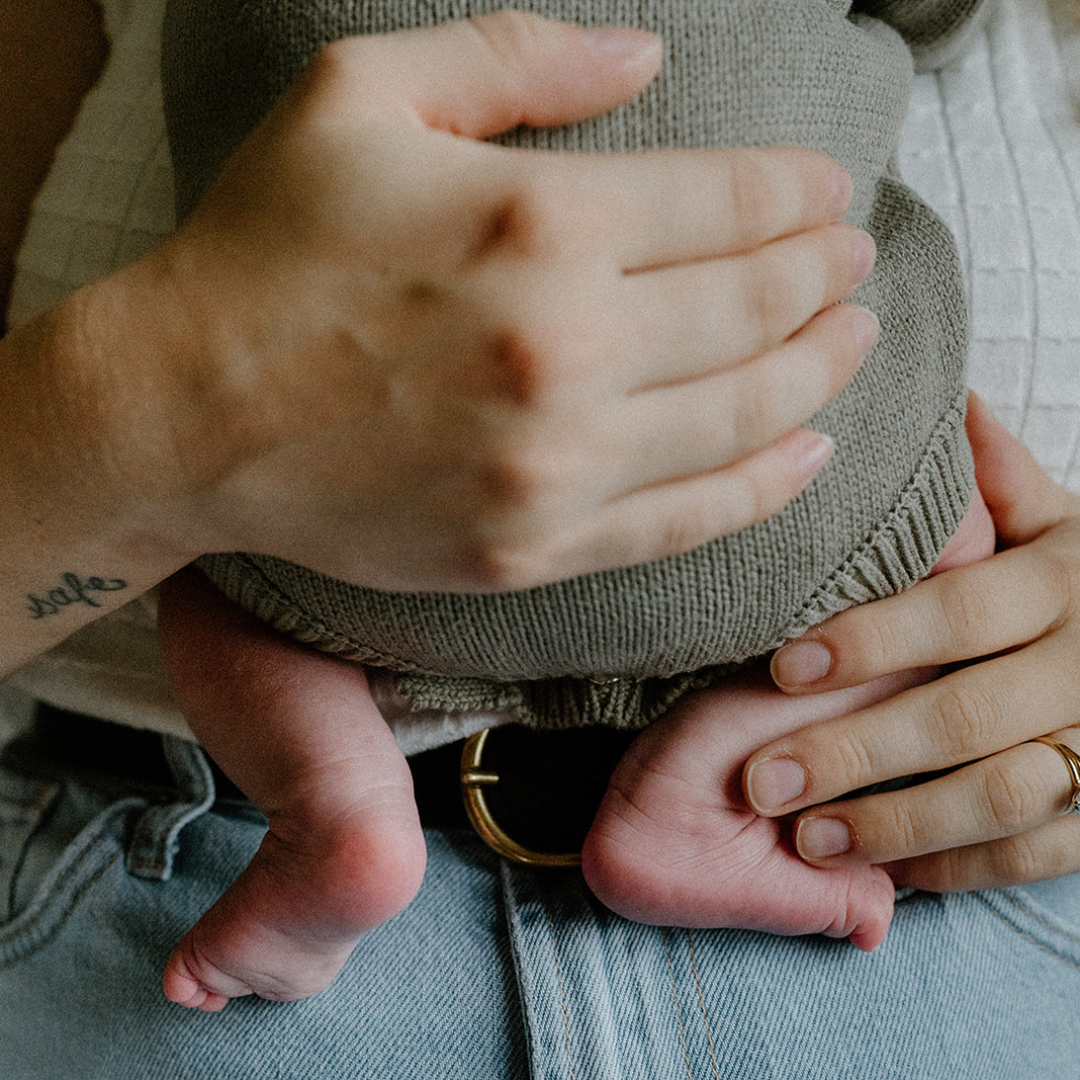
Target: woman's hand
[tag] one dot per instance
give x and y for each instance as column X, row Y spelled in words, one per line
column 479, row 368
column 415, row 360
column 994, row 818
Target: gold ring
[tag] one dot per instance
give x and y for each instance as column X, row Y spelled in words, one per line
column 1072, row 761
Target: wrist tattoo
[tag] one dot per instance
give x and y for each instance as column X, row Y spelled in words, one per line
column 72, row 590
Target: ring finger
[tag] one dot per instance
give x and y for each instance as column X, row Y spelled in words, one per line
column 1004, row 795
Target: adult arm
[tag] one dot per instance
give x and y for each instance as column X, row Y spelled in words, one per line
column 993, row 818
column 414, row 360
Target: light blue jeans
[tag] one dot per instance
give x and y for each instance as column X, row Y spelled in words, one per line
column 493, row 972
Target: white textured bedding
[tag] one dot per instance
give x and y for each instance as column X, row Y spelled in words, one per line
column 992, row 142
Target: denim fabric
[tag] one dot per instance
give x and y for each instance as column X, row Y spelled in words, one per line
column 430, row 994
column 968, row 985
column 98, row 881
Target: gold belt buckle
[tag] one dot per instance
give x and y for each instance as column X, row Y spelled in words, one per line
column 474, row 778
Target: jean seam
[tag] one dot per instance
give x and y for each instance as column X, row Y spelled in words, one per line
column 675, row 1001
column 562, row 993
column 1023, row 934
column 701, row 1005
column 82, row 866
column 1075, row 938
column 44, row 799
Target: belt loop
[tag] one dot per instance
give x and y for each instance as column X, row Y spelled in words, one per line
column 156, row 838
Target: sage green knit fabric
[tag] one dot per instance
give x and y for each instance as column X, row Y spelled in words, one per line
column 620, row 647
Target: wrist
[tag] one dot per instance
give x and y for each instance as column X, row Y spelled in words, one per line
column 108, row 451
column 113, row 418
column 147, row 356
column 83, row 470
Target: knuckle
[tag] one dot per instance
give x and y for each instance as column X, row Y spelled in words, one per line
column 684, row 533
column 1008, row 801
column 1017, row 861
column 756, row 412
column 865, row 641
column 330, row 63
column 339, row 75
column 947, row 871
column 529, row 223
column 753, row 487
column 751, row 499
column 854, row 762
column 508, row 35
column 1063, row 578
column 767, row 295
column 876, row 645
column 520, row 479
column 907, row 831
column 939, row 872
column 837, row 353
column 508, row 566
column 962, row 609
column 534, row 364
column 521, row 366
column 965, row 719
column 751, row 195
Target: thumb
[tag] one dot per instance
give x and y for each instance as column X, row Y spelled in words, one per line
column 486, row 75
column 1022, row 499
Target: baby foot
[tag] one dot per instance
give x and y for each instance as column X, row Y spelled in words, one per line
column 286, row 926
column 675, row 842
column 300, row 735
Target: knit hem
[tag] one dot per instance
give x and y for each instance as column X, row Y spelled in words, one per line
column 902, row 549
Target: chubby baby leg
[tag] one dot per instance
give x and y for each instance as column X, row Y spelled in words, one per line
column 676, row 842
column 299, row 734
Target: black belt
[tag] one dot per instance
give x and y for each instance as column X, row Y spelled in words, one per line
column 531, row 795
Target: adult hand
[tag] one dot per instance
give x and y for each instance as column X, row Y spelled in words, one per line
column 994, row 818
column 400, row 355
column 473, row 368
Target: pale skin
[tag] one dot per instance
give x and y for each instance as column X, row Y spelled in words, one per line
column 1011, row 624
column 360, row 277
column 675, row 841
column 541, row 313
column 656, row 852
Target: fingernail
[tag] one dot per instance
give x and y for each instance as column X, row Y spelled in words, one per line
column 842, row 191
column 818, row 838
column 623, row 41
column 800, row 663
column 866, row 330
column 863, row 255
column 773, row 782
column 814, row 453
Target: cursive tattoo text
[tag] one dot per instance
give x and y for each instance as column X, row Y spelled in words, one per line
column 72, row 590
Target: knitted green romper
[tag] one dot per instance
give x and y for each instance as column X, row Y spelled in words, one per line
column 619, row 647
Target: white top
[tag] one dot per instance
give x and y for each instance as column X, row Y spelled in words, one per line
column 992, row 142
